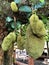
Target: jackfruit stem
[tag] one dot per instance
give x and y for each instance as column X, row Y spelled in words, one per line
column 30, row 61
column 34, row 11
column 15, row 23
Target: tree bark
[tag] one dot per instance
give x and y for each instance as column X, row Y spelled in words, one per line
column 8, row 59
column 1, row 56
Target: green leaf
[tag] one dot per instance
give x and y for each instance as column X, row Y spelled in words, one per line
column 17, row 1
column 42, row 1
column 18, row 25
column 9, row 19
column 25, row 9
column 13, row 25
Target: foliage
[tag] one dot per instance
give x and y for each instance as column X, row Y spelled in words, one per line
column 47, row 28
column 41, row 0
column 5, row 9
column 25, row 9
column 33, row 1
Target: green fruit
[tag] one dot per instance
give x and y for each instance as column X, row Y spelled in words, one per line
column 40, row 29
column 34, row 45
column 14, row 7
column 37, row 26
column 20, row 42
column 35, row 37
column 8, row 40
column 33, row 18
column 14, row 36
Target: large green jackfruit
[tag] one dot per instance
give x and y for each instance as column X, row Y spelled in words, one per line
column 37, row 25
column 8, row 40
column 20, row 42
column 35, row 37
column 34, row 45
column 14, row 7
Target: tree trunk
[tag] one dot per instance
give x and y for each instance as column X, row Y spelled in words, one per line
column 8, row 59
column 1, row 56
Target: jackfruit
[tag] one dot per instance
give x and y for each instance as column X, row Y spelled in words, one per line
column 33, row 18
column 35, row 37
column 20, row 42
column 14, row 7
column 8, row 40
column 40, row 29
column 37, row 25
column 34, row 45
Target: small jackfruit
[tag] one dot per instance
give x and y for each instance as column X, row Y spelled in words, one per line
column 34, row 45
column 8, row 40
column 37, row 25
column 40, row 29
column 20, row 42
column 14, row 7
column 33, row 18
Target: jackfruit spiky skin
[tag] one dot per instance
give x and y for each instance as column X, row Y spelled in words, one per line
column 35, row 37
column 40, row 29
column 34, row 45
column 14, row 7
column 33, row 20
column 8, row 40
column 37, row 26
column 20, row 42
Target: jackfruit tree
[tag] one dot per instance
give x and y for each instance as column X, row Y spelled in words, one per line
column 5, row 11
column 32, row 37
column 34, row 41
